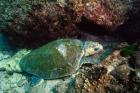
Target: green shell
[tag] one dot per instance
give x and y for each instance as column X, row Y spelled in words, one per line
column 54, row 60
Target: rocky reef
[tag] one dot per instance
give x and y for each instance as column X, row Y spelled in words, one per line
column 26, row 25
column 130, row 30
column 38, row 22
column 109, row 13
column 42, row 24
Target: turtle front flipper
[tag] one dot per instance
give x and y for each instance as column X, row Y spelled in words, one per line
column 12, row 64
column 2, row 66
column 9, row 66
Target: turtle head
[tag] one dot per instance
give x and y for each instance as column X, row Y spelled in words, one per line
column 91, row 48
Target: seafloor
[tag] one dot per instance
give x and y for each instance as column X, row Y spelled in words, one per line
column 27, row 25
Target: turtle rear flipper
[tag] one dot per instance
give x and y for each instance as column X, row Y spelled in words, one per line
column 3, row 65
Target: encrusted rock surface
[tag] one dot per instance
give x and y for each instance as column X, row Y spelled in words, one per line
column 42, row 24
column 112, row 75
column 110, row 13
column 37, row 22
column 130, row 30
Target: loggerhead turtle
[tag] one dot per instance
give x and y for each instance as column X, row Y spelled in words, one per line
column 56, row 59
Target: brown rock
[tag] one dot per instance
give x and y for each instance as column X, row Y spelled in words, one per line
column 43, row 24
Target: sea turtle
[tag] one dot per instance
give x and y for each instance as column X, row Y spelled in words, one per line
column 56, row 59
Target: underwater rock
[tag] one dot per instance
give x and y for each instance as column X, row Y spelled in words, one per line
column 34, row 23
column 111, row 75
column 92, row 79
column 136, row 56
column 135, row 61
column 107, row 13
column 77, row 7
column 122, row 72
column 42, row 24
column 130, row 30
column 114, row 60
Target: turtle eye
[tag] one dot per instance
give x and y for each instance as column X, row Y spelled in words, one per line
column 96, row 49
